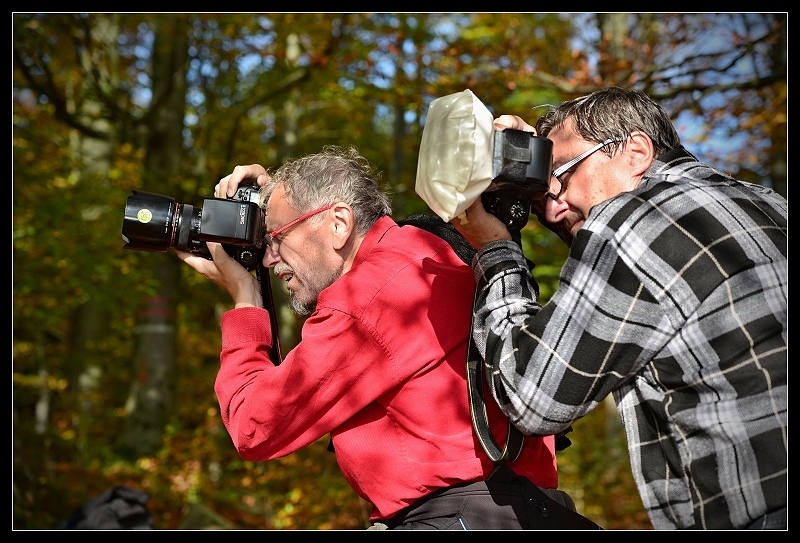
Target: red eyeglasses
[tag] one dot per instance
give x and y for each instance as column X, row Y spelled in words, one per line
column 278, row 231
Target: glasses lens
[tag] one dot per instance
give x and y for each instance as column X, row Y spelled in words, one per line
column 555, row 187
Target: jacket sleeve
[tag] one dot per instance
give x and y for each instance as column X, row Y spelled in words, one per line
column 550, row 364
column 271, row 411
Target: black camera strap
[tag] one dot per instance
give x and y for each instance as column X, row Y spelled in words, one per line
column 476, row 370
column 262, row 274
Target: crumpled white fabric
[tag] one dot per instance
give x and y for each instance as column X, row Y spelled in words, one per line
column 455, row 154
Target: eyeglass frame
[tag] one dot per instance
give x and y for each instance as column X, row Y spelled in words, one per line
column 564, row 168
column 294, row 222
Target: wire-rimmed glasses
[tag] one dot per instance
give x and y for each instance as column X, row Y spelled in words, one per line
column 564, row 168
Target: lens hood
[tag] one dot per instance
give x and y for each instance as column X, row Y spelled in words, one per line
column 149, row 222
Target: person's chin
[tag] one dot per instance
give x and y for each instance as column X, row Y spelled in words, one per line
column 573, row 229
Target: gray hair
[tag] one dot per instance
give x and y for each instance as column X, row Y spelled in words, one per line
column 613, row 113
column 333, row 175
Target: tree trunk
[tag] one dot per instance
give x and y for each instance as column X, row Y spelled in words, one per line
column 95, row 155
column 152, row 393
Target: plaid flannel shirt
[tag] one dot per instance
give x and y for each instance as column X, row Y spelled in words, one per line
column 674, row 299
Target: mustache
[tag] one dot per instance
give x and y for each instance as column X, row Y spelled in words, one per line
column 282, row 267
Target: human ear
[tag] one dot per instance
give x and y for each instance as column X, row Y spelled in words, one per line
column 639, row 152
column 344, row 224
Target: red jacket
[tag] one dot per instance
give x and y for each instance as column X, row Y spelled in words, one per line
column 381, row 367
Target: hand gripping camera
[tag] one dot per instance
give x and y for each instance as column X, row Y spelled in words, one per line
column 155, row 223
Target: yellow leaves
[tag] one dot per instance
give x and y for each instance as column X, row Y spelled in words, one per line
column 147, row 464
column 61, row 182
column 49, row 382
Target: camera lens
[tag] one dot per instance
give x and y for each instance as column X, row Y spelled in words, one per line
column 148, row 222
column 155, row 223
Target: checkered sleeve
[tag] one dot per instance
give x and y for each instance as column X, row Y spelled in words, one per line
column 553, row 364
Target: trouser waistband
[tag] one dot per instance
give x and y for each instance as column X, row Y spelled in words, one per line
column 455, row 490
column 505, row 501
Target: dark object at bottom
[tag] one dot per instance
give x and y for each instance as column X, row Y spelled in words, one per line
column 119, row 508
column 505, row 501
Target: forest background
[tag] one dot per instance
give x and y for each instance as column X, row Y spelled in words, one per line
column 115, row 351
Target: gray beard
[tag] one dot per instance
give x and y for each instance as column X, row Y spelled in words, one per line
column 305, row 308
column 299, row 307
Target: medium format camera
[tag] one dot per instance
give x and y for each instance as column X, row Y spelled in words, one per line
column 521, row 169
column 155, row 223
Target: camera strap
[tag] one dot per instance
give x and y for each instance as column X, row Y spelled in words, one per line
column 476, row 369
column 478, row 373
column 262, row 274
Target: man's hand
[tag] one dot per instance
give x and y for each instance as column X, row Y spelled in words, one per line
column 479, row 227
column 224, row 271
column 227, row 186
column 512, row 121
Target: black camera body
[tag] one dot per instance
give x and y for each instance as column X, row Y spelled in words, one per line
column 522, row 164
column 156, row 223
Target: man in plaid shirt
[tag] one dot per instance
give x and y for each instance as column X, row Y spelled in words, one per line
column 673, row 299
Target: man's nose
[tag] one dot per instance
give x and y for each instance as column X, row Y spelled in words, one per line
column 553, row 209
column 271, row 256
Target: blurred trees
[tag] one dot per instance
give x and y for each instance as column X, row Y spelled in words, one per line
column 115, row 351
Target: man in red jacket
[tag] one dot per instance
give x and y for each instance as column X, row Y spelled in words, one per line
column 381, row 365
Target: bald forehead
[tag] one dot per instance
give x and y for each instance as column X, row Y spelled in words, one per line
column 277, row 206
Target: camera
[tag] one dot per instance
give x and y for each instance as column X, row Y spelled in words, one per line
column 521, row 169
column 155, row 223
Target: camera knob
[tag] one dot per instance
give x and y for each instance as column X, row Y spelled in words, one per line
column 517, row 212
column 246, row 258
